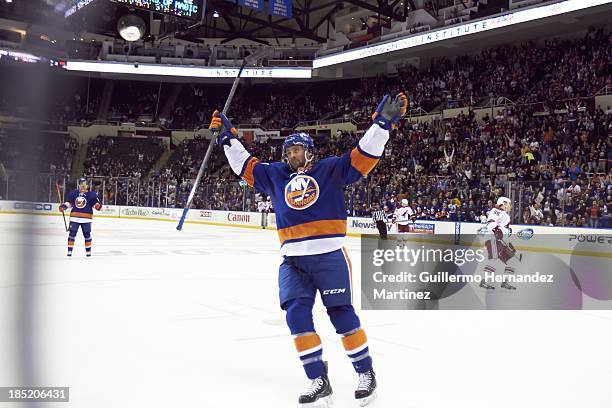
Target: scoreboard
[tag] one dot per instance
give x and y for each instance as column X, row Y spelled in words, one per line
column 72, row 6
column 191, row 9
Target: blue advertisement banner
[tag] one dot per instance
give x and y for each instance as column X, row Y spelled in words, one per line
column 255, row 4
column 281, row 8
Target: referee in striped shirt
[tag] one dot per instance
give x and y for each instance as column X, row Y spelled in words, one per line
column 380, row 218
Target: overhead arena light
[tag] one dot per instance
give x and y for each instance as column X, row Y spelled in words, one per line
column 131, row 27
column 215, row 14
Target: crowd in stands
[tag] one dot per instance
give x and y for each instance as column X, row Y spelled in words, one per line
column 558, row 171
column 54, row 152
column 548, row 148
column 58, row 99
column 548, row 72
column 122, row 156
column 556, row 167
column 132, row 101
column 23, row 154
column 527, row 73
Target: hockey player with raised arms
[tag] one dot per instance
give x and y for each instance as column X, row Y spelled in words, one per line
column 308, row 198
column 82, row 202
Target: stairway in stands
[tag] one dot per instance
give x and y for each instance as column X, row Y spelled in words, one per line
column 78, row 163
column 161, row 162
column 168, row 105
column 107, row 97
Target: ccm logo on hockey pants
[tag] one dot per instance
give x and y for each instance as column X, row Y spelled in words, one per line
column 303, row 276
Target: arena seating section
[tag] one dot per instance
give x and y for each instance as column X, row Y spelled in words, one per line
column 122, row 156
column 550, row 143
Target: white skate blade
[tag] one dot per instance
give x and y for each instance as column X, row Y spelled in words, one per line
column 367, row 400
column 325, row 402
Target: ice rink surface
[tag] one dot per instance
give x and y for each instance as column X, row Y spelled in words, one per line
column 161, row 318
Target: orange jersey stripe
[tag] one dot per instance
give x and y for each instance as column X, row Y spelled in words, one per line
column 350, row 266
column 312, row 229
column 355, row 340
column 306, row 342
column 361, row 162
column 80, row 214
column 248, row 171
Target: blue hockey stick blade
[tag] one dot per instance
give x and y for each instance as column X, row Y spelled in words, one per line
column 179, row 227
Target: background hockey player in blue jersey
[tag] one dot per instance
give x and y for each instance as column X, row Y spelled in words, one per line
column 82, row 202
column 308, row 198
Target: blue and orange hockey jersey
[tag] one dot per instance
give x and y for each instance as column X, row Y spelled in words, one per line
column 309, row 206
column 82, row 205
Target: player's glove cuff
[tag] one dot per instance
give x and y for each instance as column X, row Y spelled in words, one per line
column 225, row 139
column 382, row 122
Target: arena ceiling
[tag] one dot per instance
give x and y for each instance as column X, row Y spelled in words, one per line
column 308, row 16
column 222, row 18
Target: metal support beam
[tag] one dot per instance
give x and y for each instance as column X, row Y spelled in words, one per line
column 384, row 9
column 235, row 36
column 316, row 8
column 275, row 25
column 327, row 16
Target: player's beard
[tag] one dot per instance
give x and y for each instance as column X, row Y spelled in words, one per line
column 297, row 163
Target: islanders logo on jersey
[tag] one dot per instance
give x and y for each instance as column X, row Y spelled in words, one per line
column 301, row 192
column 80, row 202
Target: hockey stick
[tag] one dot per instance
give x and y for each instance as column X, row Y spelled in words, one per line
column 248, row 60
column 59, row 198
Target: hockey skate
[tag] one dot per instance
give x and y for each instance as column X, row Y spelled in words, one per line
column 319, row 394
column 366, row 389
column 508, row 286
column 486, row 286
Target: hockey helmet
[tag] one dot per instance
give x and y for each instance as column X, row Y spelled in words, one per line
column 503, row 200
column 298, row 139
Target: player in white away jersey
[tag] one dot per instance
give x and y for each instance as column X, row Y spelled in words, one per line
column 403, row 216
column 498, row 249
column 499, row 218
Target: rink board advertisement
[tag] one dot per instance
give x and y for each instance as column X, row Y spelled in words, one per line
column 356, row 226
column 546, row 272
column 235, row 218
